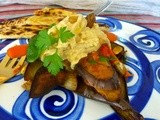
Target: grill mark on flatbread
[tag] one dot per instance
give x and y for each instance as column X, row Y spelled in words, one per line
column 53, row 12
column 18, row 21
column 27, row 27
column 24, row 31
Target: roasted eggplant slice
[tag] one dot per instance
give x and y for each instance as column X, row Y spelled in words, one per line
column 108, row 88
column 122, row 107
column 98, row 83
column 44, row 82
column 119, row 102
column 127, row 112
column 89, row 92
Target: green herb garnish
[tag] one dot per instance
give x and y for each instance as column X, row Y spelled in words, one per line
column 65, row 34
column 53, row 63
column 41, row 42
column 45, row 40
column 33, row 52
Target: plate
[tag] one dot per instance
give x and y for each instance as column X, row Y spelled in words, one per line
column 143, row 61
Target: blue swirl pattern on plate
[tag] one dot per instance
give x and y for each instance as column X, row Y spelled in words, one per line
column 134, row 88
column 5, row 115
column 147, row 41
column 146, row 77
column 64, row 105
column 59, row 104
column 156, row 69
column 114, row 24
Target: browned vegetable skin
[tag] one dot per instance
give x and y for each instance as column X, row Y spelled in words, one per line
column 91, row 93
column 44, row 82
column 90, row 20
column 118, row 50
column 111, row 87
column 127, row 113
column 108, row 88
column 29, row 74
column 121, row 105
column 31, row 70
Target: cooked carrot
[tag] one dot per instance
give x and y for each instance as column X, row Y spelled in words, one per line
column 17, row 51
column 111, row 36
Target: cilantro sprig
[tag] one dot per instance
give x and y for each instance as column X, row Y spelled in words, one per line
column 45, row 40
column 65, row 34
column 41, row 42
column 53, row 63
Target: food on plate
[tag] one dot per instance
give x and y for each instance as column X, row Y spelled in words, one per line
column 78, row 54
column 17, row 51
column 27, row 27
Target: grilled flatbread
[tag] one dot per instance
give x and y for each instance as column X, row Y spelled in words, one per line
column 27, row 27
column 53, row 12
column 13, row 22
column 21, row 31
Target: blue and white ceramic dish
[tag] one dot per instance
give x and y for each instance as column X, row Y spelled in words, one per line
column 143, row 61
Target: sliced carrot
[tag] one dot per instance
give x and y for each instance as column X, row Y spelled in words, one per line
column 111, row 36
column 17, row 51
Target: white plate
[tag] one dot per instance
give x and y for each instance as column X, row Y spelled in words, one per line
column 143, row 61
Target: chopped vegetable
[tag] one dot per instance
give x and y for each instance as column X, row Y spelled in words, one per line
column 111, row 36
column 90, row 20
column 17, row 51
column 42, row 42
column 117, row 50
column 107, row 52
